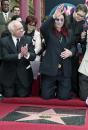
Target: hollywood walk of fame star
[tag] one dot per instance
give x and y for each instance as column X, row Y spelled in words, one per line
column 49, row 115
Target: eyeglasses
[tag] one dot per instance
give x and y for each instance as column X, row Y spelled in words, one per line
column 57, row 19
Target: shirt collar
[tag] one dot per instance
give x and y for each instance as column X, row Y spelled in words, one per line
column 15, row 39
column 5, row 13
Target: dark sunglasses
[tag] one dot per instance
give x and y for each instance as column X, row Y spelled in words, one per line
column 57, row 19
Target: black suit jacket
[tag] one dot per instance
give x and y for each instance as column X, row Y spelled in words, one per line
column 12, row 66
column 54, row 47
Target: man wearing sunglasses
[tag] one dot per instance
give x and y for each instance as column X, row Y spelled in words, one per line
column 55, row 68
column 76, row 22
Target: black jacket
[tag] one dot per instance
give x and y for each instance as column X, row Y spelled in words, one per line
column 12, row 66
column 77, row 28
column 54, row 47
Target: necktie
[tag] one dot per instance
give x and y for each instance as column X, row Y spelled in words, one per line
column 17, row 44
column 6, row 17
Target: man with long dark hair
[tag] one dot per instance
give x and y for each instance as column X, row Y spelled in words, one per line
column 56, row 63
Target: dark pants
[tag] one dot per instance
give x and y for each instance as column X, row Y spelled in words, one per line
column 49, row 88
column 0, row 80
column 17, row 89
column 75, row 75
column 83, row 85
column 0, row 88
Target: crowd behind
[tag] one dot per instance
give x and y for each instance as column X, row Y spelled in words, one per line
column 57, row 52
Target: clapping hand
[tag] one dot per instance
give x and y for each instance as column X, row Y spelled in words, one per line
column 24, row 50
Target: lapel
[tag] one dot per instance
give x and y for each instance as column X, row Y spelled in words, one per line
column 9, row 16
column 2, row 19
column 61, row 42
column 11, row 44
column 22, row 41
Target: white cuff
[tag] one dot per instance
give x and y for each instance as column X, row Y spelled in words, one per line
column 19, row 56
column 28, row 55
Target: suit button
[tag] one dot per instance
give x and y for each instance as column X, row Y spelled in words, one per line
column 59, row 66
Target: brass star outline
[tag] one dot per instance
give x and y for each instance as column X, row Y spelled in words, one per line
column 49, row 115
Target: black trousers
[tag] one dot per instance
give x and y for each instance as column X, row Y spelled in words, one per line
column 50, row 89
column 75, row 75
column 0, row 82
column 83, row 86
column 17, row 89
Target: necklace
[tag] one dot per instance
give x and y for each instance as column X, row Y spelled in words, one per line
column 60, row 39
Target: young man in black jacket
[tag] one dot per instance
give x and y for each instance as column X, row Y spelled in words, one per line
column 76, row 22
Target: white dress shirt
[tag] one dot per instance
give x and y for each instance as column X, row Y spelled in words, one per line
column 15, row 43
column 5, row 16
column 15, row 40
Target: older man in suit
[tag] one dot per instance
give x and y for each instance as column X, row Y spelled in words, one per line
column 17, row 52
column 5, row 15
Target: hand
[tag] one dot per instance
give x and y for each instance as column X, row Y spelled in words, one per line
column 59, row 11
column 20, row 55
column 24, row 50
column 83, row 34
column 66, row 53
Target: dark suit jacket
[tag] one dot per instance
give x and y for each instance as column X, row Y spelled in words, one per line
column 77, row 28
column 54, row 47
column 12, row 66
column 3, row 24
